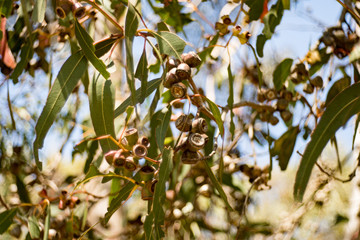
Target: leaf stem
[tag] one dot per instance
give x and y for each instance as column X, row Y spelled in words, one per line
column 105, row 14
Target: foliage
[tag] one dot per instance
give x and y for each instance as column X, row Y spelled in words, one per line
column 153, row 142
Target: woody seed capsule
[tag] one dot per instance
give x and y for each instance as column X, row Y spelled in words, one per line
column 189, row 157
column 199, row 126
column 144, row 141
column 130, row 164
column 183, row 122
column 119, row 159
column 171, row 78
column 286, row 115
column 131, row 135
column 140, row 151
column 78, row 10
column 317, row 82
column 183, row 71
column 195, row 142
column 308, row 88
column 178, row 90
column 270, row 94
column 191, row 59
column 281, row 104
column 109, row 156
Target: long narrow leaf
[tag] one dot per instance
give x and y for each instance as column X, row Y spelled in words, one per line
column 39, row 11
column 142, row 74
column 88, row 49
column 163, row 125
column 151, row 86
column 6, row 219
column 101, row 101
column 68, row 77
column 131, row 25
column 26, row 54
column 340, row 109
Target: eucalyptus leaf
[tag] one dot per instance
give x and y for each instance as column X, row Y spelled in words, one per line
column 170, row 43
column 338, row 112
column 6, row 219
column 26, row 54
column 34, row 228
column 142, row 74
column 163, row 125
column 39, row 11
column 217, row 115
column 282, row 71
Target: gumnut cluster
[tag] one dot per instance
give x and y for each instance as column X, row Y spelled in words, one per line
column 64, row 7
column 67, row 201
column 196, row 138
column 300, row 74
column 257, row 176
column 127, row 159
column 179, row 72
column 281, row 101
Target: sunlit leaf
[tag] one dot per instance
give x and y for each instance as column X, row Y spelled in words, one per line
column 131, row 25
column 217, row 115
column 217, row 185
column 163, row 125
column 230, row 101
column 256, row 9
column 170, row 43
column 102, row 100
column 34, row 228
column 338, row 112
column 151, row 86
column 336, row 88
column 86, row 43
column 142, row 74
column 5, row 7
column 39, row 11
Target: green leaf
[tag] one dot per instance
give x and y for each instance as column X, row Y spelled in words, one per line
column 217, row 185
column 170, row 43
column 217, row 115
column 260, row 42
column 151, row 86
column 26, row 54
column 355, row 54
column 142, row 74
column 284, row 146
column 336, row 88
column 67, row 79
column 22, row 191
column 230, row 101
column 86, row 43
column 340, row 109
column 272, row 19
column 257, row 65
column 90, row 156
column 39, row 11
column 6, row 219
column 5, row 7
column 286, row 4
column 159, row 194
column 256, row 9
column 161, row 26
column 101, row 101
column 102, row 47
column 282, row 71
column 33, row 226
column 131, row 25
column 163, row 125
column 47, row 222
column 123, row 195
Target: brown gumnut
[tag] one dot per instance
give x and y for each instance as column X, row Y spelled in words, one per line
column 191, row 59
column 273, row 120
column 308, row 88
column 189, row 157
column 139, row 151
column 261, row 95
column 183, row 71
column 171, row 78
column 131, row 135
column 195, row 142
column 109, row 156
column 78, row 10
column 317, row 82
column 286, row 115
column 172, row 63
column 183, row 122
column 178, row 90
column 287, row 95
column 199, row 125
column 281, row 104
column 130, row 164
column 144, row 141
column 270, row 94
column 119, row 159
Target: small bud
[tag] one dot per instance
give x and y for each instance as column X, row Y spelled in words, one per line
column 183, row 122
column 144, row 141
column 195, row 142
column 199, row 126
column 183, row 71
column 281, row 104
column 308, row 88
column 191, row 59
column 178, row 90
column 236, row 30
column 146, row 173
column 270, row 94
column 131, row 135
column 226, row 19
column 130, row 164
column 317, row 82
column 61, row 205
column 189, row 157
column 139, row 151
column 286, row 115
